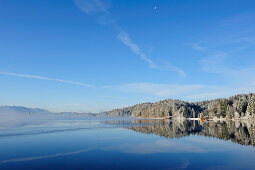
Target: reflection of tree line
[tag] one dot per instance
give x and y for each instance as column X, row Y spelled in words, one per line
column 238, row 132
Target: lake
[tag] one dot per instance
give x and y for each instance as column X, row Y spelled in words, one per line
column 127, row 144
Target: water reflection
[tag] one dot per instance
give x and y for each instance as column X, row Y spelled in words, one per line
column 238, row 132
column 44, row 156
column 124, row 144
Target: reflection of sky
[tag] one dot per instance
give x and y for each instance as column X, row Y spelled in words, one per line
column 190, row 144
column 44, row 156
column 157, row 146
column 115, row 147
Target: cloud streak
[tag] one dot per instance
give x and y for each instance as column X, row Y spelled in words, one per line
column 159, row 90
column 170, row 67
column 188, row 92
column 90, row 7
column 125, row 39
column 197, row 47
column 217, row 64
column 214, row 63
column 29, row 76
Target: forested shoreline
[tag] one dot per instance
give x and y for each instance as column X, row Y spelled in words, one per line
column 241, row 106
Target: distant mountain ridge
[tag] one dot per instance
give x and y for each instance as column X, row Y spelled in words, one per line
column 22, row 109
column 241, row 106
column 26, row 110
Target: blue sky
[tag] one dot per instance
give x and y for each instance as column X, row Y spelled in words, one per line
column 95, row 55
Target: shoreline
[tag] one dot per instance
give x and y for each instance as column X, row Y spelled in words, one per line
column 215, row 119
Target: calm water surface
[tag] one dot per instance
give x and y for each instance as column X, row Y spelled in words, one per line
column 138, row 144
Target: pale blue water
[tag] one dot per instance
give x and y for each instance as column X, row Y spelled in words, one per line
column 124, row 145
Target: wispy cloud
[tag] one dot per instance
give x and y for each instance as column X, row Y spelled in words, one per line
column 160, row 90
column 202, row 96
column 170, row 67
column 214, row 63
column 198, row 47
column 231, row 40
column 111, row 97
column 187, row 92
column 228, row 40
column 243, row 40
column 243, row 19
column 45, row 78
column 125, row 39
column 91, row 7
column 218, row 63
column 166, row 66
column 213, row 92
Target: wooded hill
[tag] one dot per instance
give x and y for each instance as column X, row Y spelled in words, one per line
column 235, row 107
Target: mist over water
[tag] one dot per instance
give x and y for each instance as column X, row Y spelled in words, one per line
column 21, row 121
column 18, row 116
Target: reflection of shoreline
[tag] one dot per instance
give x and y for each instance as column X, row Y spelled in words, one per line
column 45, row 156
column 215, row 119
column 241, row 132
